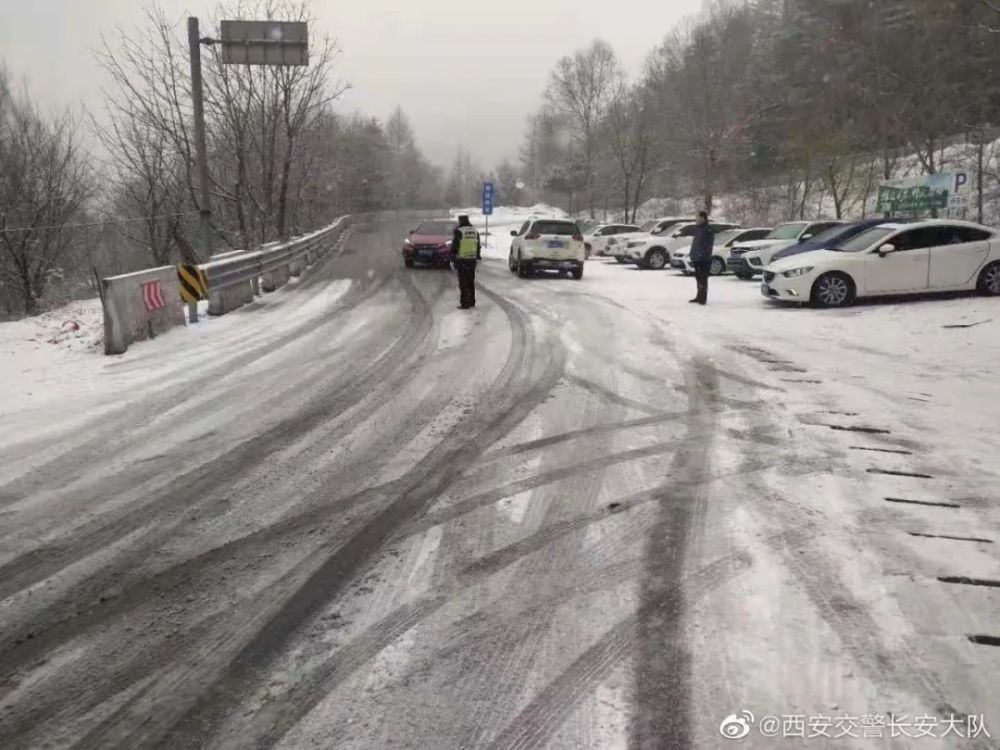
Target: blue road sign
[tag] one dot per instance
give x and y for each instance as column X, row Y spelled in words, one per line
column 487, row 198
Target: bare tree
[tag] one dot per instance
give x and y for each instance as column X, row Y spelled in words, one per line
column 44, row 187
column 630, row 133
column 258, row 120
column 703, row 84
column 581, row 88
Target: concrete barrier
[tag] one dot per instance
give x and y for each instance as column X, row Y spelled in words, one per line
column 131, row 306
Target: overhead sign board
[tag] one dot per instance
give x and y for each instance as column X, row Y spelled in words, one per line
column 931, row 192
column 264, row 42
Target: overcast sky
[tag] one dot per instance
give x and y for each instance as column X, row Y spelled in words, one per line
column 467, row 73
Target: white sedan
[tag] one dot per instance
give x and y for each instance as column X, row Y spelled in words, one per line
column 927, row 256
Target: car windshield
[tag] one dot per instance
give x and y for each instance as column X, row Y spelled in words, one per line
column 787, row 231
column 435, row 227
column 864, row 240
column 555, row 227
column 649, row 226
column 833, row 234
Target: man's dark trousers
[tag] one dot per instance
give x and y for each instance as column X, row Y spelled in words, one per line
column 466, row 282
column 701, row 274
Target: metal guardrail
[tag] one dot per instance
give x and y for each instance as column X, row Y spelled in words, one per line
column 234, row 280
column 244, row 267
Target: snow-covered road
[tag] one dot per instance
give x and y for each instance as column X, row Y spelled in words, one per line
column 585, row 515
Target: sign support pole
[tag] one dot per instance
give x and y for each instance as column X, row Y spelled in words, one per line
column 197, row 104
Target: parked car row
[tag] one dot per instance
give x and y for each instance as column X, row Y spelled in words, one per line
column 833, row 263
column 825, row 263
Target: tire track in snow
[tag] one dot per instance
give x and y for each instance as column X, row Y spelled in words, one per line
column 118, row 426
column 218, row 674
column 118, row 574
column 501, row 667
column 273, row 721
column 541, row 718
column 856, row 628
column 662, row 673
column 198, row 484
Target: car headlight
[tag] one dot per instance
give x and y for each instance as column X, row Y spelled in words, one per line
column 796, row 272
column 755, row 262
column 407, row 241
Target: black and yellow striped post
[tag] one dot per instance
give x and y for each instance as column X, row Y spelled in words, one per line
column 194, row 287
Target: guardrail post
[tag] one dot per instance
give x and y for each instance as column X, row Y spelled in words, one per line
column 269, row 283
column 217, row 301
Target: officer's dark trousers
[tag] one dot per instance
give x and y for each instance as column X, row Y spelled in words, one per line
column 701, row 274
column 466, row 282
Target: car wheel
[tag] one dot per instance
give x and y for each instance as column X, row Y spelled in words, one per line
column 989, row 280
column 522, row 269
column 620, row 260
column 408, row 263
column 718, row 266
column 833, row 289
column 744, row 276
column 656, row 259
column 577, row 273
column 511, row 266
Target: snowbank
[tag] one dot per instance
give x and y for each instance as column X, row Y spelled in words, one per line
column 43, row 352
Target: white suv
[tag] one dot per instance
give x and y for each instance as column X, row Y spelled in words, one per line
column 547, row 245
column 618, row 245
column 598, row 241
column 654, row 252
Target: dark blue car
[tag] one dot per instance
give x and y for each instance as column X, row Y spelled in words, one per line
column 833, row 236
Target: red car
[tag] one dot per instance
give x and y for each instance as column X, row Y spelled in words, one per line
column 429, row 244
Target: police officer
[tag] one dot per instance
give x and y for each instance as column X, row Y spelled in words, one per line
column 465, row 250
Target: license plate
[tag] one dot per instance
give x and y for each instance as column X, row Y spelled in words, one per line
column 426, row 253
column 556, row 243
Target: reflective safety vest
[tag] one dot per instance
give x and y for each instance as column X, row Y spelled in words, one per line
column 468, row 248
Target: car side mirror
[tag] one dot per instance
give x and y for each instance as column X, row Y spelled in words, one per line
column 513, row 233
column 887, row 248
column 413, row 231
